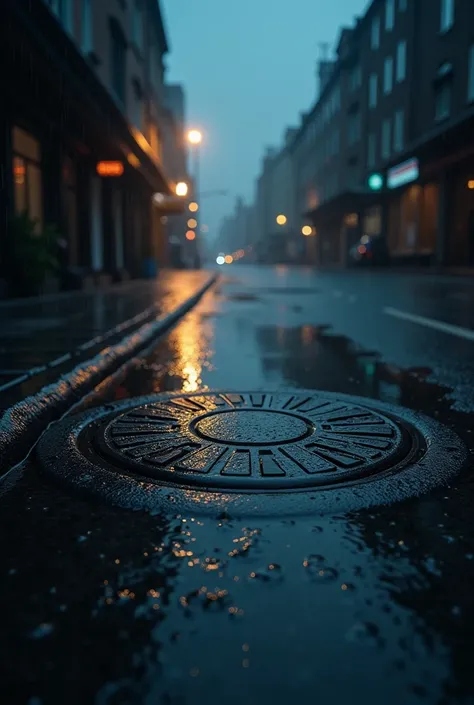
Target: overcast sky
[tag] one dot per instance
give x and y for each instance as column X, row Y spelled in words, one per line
column 248, row 68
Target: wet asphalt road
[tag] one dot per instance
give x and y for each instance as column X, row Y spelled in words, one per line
column 110, row 606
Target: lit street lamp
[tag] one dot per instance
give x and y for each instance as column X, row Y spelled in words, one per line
column 182, row 189
column 281, row 219
column 195, row 139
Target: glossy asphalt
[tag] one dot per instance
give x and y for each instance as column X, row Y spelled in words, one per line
column 112, row 606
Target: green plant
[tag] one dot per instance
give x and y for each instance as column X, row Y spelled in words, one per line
column 31, row 255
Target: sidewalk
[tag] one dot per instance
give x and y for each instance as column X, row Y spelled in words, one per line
column 42, row 338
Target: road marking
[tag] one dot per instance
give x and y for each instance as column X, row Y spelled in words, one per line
column 466, row 333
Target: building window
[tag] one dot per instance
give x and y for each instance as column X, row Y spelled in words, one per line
column 401, row 68
column 388, row 75
column 389, row 14
column 86, row 26
column 118, row 61
column 373, row 90
column 355, row 78
column 375, row 33
column 443, row 94
column 137, row 116
column 386, row 134
column 446, row 15
column 371, row 150
column 470, row 78
column 138, row 24
column 398, row 131
column 353, row 128
column 402, row 5
column 27, row 180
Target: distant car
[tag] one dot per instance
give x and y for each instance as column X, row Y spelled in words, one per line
column 371, row 250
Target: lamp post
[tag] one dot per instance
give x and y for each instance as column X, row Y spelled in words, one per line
column 195, row 139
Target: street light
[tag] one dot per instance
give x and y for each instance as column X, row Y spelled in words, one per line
column 182, row 189
column 307, row 230
column 194, row 137
column 281, row 219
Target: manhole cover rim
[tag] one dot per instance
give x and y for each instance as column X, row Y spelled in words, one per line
column 61, row 458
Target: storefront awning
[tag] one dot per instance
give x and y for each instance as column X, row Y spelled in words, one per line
column 344, row 202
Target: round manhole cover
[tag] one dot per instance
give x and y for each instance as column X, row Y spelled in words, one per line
column 254, row 441
column 230, row 443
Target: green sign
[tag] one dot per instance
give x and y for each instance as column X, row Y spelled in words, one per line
column 375, row 182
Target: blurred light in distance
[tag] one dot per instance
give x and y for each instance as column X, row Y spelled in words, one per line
column 375, row 182
column 193, row 207
column 190, row 235
column 158, row 197
column 194, row 137
column 204, row 228
column 281, row 219
column 133, row 160
column 220, row 259
column 228, row 259
column 470, row 184
column 362, row 249
column 307, row 230
column 110, row 168
column 192, row 223
column 182, row 189
column 364, row 239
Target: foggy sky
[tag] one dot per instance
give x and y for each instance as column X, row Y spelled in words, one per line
column 248, row 68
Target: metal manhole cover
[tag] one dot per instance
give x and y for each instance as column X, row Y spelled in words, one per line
column 254, row 441
column 252, row 444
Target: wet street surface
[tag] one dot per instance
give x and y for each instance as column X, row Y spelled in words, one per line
column 41, row 339
column 225, row 593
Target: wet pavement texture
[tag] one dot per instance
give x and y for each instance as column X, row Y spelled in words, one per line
column 111, row 606
column 43, row 338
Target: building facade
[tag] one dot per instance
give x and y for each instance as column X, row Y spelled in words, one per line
column 83, row 127
column 388, row 147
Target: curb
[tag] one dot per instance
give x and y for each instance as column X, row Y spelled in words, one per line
column 23, row 423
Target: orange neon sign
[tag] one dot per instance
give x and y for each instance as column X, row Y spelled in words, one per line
column 110, row 168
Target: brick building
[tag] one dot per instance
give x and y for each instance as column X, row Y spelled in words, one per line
column 86, row 84
column 396, row 103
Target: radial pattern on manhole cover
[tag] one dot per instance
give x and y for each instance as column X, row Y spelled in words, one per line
column 251, row 453
column 246, row 441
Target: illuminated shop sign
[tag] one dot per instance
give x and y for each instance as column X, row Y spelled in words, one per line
column 110, row 168
column 403, row 174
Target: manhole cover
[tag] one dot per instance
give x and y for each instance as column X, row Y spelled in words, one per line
column 248, row 443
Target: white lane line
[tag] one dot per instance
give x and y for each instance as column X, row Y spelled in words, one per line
column 466, row 333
